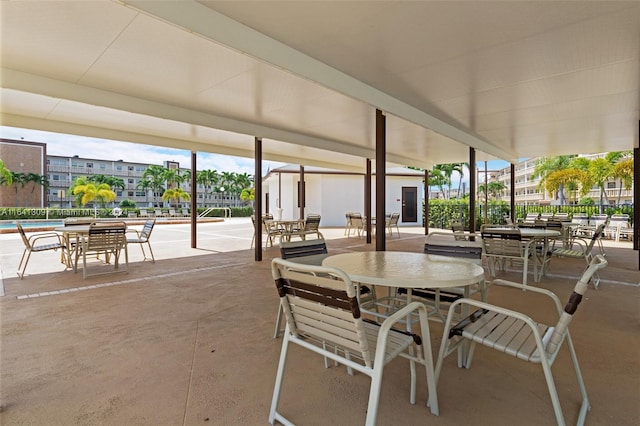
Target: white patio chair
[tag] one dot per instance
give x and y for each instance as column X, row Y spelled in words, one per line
column 392, row 222
column 142, row 238
column 108, row 238
column 311, row 227
column 36, row 243
column 501, row 245
column 518, row 335
column 579, row 248
column 323, row 315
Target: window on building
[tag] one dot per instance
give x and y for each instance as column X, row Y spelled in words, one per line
column 130, row 194
column 89, row 166
column 119, row 193
column 131, row 181
column 611, row 185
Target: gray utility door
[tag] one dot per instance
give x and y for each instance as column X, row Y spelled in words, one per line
column 409, row 204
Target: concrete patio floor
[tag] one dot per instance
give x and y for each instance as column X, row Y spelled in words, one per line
column 189, row 340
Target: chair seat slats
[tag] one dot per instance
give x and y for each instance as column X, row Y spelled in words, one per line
column 44, row 247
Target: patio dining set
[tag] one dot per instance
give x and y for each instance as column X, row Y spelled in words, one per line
column 363, row 309
column 81, row 238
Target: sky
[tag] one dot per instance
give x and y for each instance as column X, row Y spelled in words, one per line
column 87, row 147
column 70, row 145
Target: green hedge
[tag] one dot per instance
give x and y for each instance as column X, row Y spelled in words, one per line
column 442, row 213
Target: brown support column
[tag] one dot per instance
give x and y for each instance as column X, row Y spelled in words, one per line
column 381, row 180
column 486, row 194
column 257, row 178
column 426, row 202
column 472, row 189
column 302, row 194
column 367, row 199
column 513, row 193
column 194, row 198
column 636, row 200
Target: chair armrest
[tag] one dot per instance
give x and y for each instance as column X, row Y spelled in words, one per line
column 131, row 230
column 543, row 291
column 43, row 236
column 581, row 243
column 400, row 315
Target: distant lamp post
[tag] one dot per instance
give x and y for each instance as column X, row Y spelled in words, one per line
column 222, row 190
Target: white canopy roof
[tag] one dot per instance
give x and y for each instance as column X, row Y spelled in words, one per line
column 511, row 79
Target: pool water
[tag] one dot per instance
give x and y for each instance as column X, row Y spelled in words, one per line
column 26, row 225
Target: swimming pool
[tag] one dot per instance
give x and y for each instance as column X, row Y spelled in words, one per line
column 26, row 225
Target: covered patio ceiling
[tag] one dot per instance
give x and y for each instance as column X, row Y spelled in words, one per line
column 511, row 79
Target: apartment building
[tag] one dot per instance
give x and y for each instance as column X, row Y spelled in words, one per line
column 31, row 157
column 527, row 190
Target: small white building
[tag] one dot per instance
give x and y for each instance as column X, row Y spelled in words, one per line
column 333, row 193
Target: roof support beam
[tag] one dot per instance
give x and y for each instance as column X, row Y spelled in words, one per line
column 32, row 83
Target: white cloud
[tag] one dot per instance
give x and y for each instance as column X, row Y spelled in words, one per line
column 70, row 145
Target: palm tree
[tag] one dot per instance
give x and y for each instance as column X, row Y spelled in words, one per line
column 6, row 178
column 546, row 166
column 156, row 175
column 242, row 181
column 460, row 169
column 437, row 178
column 36, row 180
column 227, row 180
column 208, row 179
column 175, row 194
column 569, row 178
column 145, row 185
column 623, row 171
column 446, row 170
column 90, row 192
column 493, row 189
column 601, row 170
column 79, row 181
column 18, row 178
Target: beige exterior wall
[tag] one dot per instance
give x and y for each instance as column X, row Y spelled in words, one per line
column 23, row 157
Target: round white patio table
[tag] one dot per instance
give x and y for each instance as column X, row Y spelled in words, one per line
column 409, row 270
column 406, row 269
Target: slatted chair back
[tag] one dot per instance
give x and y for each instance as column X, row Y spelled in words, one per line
column 105, row 236
column 357, row 224
column 23, row 235
column 532, row 217
column 312, row 223
column 147, row 228
column 108, row 238
column 293, row 249
column 142, row 238
column 499, row 245
column 323, row 306
column 502, row 242
column 463, row 252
